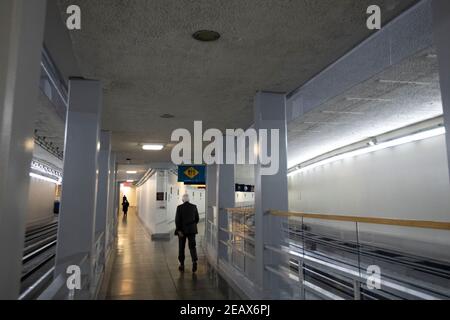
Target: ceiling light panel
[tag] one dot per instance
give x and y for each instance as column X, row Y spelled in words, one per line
column 152, row 147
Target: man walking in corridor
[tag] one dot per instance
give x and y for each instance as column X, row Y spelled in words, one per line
column 186, row 221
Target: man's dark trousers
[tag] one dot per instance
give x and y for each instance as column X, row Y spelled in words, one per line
column 192, row 247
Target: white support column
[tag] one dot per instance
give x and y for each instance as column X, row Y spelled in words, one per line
column 111, row 205
column 441, row 32
column 116, row 205
column 21, row 36
column 211, row 208
column 79, row 190
column 271, row 191
column 101, row 214
column 225, row 191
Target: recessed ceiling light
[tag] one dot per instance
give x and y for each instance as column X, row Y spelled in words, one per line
column 131, row 172
column 206, row 35
column 130, row 180
column 152, row 147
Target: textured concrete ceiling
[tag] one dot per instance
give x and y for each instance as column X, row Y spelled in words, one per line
column 150, row 65
column 401, row 95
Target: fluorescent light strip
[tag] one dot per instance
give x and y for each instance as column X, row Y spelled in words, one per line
column 131, row 172
column 38, row 176
column 392, row 143
column 152, row 147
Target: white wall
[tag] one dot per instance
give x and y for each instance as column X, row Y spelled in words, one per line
column 148, row 208
column 159, row 216
column 41, row 197
column 408, row 182
column 244, row 174
column 244, row 199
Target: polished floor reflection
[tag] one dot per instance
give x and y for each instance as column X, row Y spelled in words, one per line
column 146, row 269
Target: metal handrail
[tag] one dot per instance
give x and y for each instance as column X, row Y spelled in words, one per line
column 239, row 234
column 230, row 245
column 355, row 275
column 59, row 283
column 393, row 285
column 37, row 284
column 286, row 274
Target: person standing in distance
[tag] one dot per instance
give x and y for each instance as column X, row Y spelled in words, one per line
column 125, row 205
column 186, row 220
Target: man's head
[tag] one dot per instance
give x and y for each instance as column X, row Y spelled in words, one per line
column 185, row 198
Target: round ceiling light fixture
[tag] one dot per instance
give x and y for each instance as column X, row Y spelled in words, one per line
column 206, row 35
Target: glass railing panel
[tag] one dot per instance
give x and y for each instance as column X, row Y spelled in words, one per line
column 241, row 242
column 323, row 256
column 335, row 242
column 414, row 262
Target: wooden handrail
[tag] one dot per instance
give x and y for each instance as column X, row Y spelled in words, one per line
column 240, row 210
column 440, row 225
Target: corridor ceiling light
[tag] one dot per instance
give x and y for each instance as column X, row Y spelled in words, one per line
column 131, row 172
column 153, row 147
column 130, row 180
column 376, row 147
column 206, row 35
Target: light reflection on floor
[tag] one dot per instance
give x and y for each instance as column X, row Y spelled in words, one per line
column 146, row 269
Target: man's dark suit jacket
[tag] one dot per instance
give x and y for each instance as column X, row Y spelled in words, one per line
column 186, row 219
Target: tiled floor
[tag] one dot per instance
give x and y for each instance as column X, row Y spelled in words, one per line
column 146, row 269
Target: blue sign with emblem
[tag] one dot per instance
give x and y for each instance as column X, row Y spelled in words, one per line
column 195, row 174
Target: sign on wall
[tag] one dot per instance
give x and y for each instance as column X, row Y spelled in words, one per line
column 194, row 174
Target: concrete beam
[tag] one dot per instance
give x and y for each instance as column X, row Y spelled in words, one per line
column 101, row 212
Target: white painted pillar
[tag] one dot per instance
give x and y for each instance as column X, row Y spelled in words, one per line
column 116, row 205
column 211, row 211
column 441, row 32
column 79, row 189
column 111, row 205
column 21, row 36
column 271, row 191
column 225, row 198
column 101, row 214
